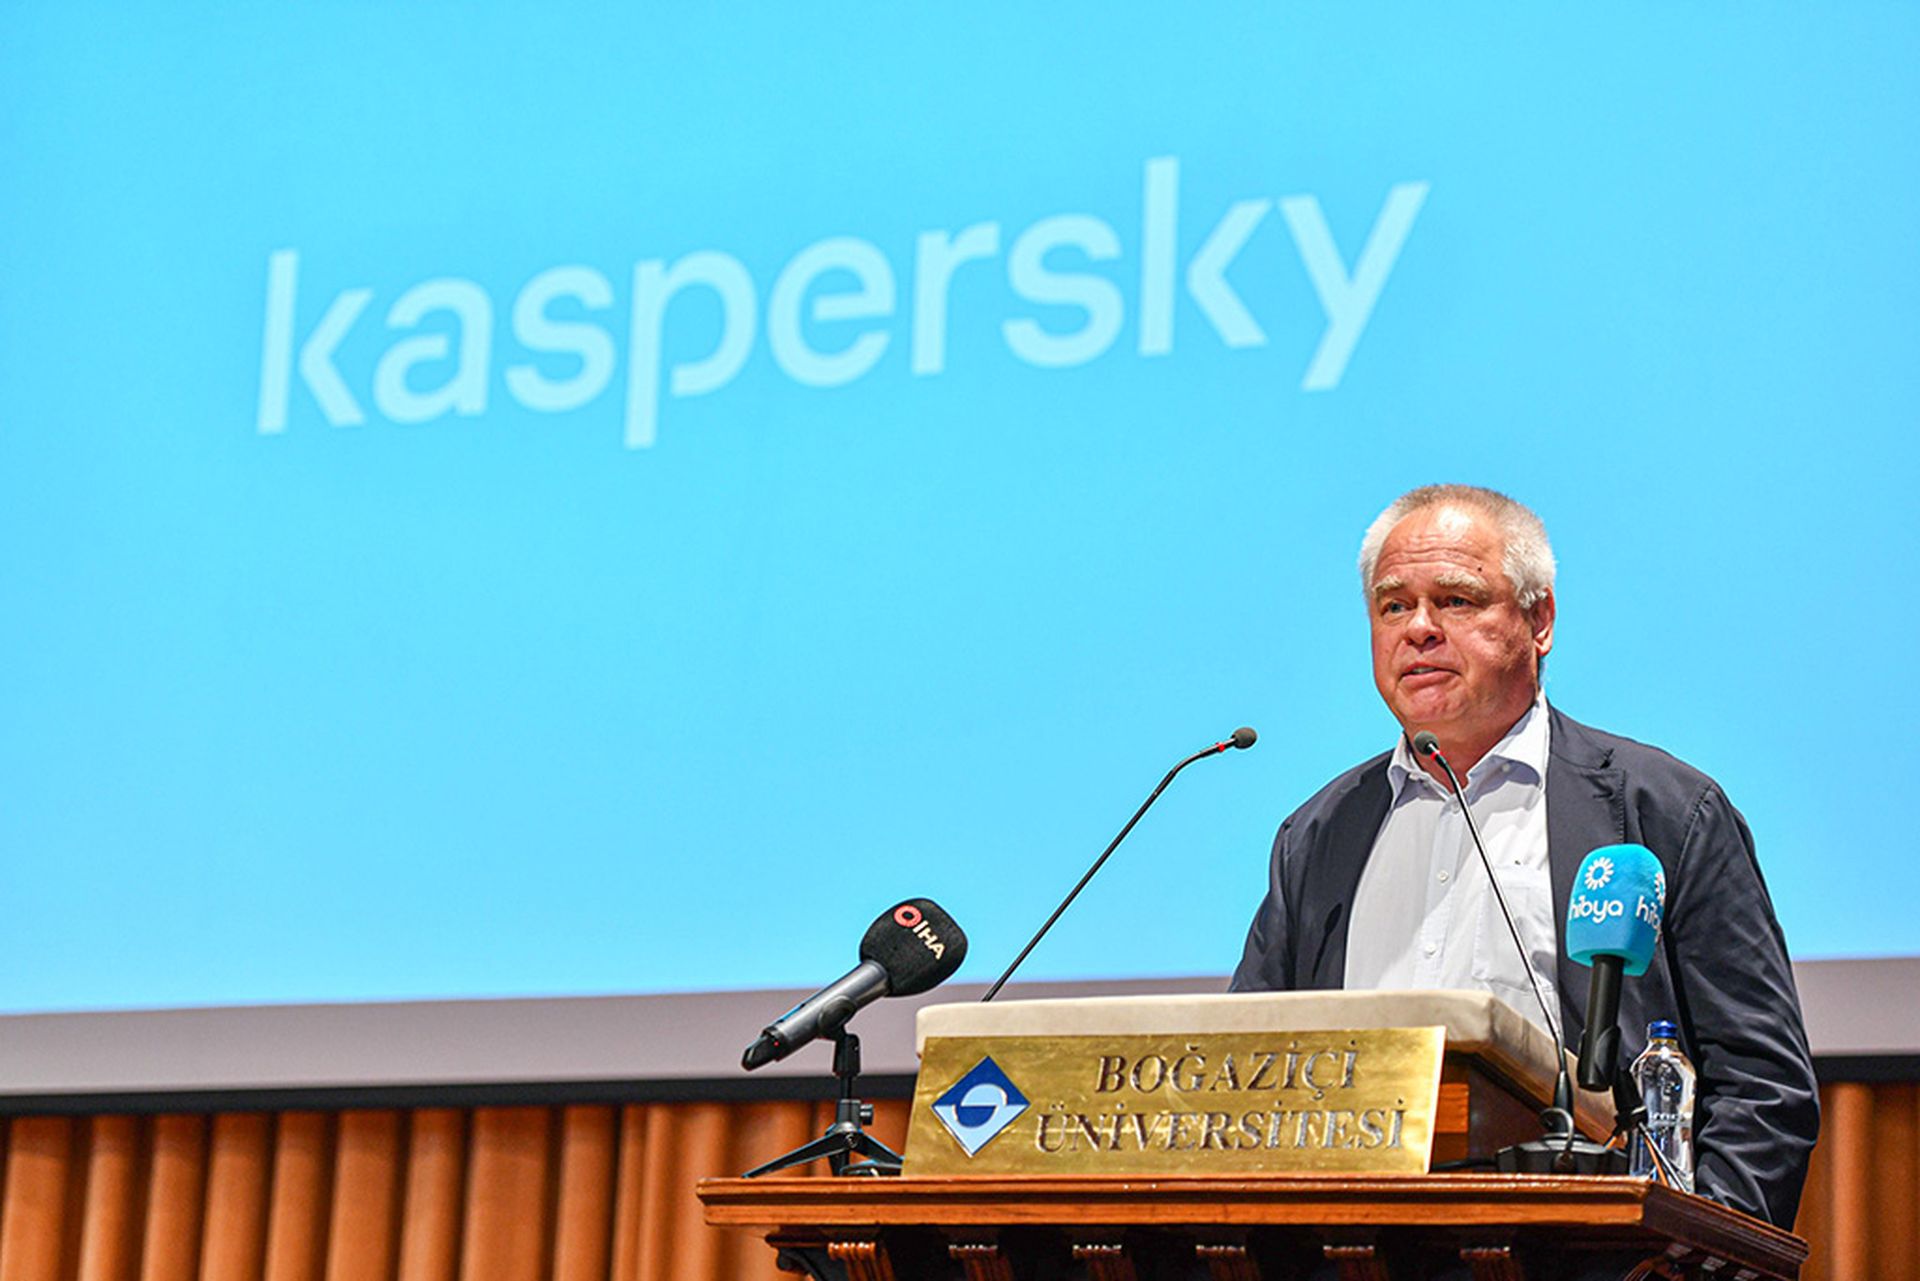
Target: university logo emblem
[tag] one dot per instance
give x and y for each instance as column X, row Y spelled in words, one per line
column 979, row 1105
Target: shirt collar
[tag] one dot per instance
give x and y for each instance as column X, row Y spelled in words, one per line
column 1523, row 750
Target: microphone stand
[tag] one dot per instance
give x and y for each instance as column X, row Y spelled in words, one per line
column 845, row 1138
column 1562, row 1149
column 1242, row 738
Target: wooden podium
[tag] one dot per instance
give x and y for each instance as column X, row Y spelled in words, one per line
column 1268, row 1225
column 1488, row 1227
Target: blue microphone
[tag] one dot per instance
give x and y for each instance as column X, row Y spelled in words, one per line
column 1613, row 925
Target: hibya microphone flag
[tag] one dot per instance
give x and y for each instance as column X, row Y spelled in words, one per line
column 1615, row 909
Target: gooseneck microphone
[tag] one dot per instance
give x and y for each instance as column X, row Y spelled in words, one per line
column 910, row 948
column 1241, row 738
column 1427, row 745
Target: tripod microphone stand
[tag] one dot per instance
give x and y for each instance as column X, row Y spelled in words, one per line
column 846, row 1138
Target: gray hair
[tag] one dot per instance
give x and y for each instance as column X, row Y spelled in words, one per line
column 1528, row 561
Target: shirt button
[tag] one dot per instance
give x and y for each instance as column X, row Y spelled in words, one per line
column 1445, row 877
column 1428, row 949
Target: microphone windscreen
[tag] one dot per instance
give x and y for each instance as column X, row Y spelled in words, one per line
column 1244, row 737
column 1618, row 896
column 1425, row 743
column 917, row 944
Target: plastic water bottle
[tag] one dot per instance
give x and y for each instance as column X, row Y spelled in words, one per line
column 1665, row 1079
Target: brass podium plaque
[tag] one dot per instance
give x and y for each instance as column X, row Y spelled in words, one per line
column 1352, row 1101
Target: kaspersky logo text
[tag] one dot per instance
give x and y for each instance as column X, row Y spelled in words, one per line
column 833, row 312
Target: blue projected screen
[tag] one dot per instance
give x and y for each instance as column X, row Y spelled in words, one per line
column 512, row 499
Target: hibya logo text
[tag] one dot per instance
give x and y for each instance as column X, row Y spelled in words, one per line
column 832, row 313
column 1601, row 910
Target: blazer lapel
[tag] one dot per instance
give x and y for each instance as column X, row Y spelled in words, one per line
column 1352, row 829
column 1586, row 808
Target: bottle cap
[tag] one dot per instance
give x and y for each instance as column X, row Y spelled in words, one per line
column 1662, row 1030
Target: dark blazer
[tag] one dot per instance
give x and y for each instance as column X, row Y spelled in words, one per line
column 1721, row 971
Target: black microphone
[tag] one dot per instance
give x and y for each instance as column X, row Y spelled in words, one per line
column 910, row 948
column 1428, row 745
column 1242, row 738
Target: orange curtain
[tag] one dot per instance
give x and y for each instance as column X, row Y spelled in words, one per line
column 591, row 1193
column 1861, row 1212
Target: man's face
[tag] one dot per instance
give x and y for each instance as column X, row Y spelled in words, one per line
column 1453, row 652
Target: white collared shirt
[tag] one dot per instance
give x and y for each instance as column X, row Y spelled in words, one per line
column 1424, row 916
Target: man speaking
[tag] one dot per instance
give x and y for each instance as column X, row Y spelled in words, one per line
column 1374, row 882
